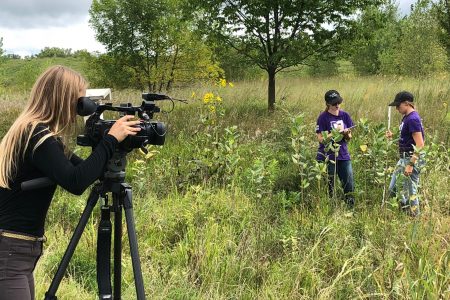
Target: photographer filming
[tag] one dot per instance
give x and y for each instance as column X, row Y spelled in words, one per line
column 34, row 148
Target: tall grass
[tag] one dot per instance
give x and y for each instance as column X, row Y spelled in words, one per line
column 221, row 211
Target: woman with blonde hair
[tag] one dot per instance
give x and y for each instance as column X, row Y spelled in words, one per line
column 33, row 148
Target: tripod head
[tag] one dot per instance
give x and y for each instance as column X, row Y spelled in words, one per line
column 114, row 174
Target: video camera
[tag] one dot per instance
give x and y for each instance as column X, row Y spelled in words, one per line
column 152, row 132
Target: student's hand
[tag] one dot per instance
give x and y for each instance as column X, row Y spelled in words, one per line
column 347, row 133
column 124, row 127
column 408, row 170
column 389, row 134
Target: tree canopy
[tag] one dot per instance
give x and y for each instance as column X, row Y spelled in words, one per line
column 376, row 30
column 442, row 8
column 148, row 37
column 1, row 46
column 278, row 34
column 54, row 52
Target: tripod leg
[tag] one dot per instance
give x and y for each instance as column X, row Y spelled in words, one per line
column 92, row 200
column 128, row 206
column 104, row 255
column 117, row 246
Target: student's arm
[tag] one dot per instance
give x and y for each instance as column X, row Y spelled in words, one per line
column 415, row 128
column 75, row 159
column 320, row 137
column 418, row 140
column 321, row 126
column 347, row 132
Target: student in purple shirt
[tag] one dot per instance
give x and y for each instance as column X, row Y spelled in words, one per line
column 335, row 118
column 411, row 141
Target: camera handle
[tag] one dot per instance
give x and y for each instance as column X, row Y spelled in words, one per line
column 122, row 199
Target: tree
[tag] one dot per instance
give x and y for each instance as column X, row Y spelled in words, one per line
column 235, row 66
column 2, row 58
column 1, row 47
column 376, row 30
column 148, row 37
column 81, row 53
column 106, row 70
column 54, row 52
column 323, row 66
column 442, row 9
column 12, row 56
column 277, row 34
column 417, row 51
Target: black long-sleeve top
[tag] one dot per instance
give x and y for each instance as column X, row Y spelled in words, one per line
column 25, row 211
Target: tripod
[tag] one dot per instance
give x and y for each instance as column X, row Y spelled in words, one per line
column 112, row 182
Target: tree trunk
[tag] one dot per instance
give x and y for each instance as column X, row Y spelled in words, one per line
column 151, row 86
column 172, row 70
column 271, row 89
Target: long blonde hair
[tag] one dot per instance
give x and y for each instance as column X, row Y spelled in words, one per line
column 52, row 102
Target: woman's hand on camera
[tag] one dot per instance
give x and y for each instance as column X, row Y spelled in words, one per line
column 124, row 127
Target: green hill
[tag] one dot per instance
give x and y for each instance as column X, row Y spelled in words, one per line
column 19, row 74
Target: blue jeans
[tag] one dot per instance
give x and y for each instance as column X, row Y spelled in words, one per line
column 345, row 173
column 409, row 184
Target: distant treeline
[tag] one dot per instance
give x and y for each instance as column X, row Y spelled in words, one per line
column 51, row 52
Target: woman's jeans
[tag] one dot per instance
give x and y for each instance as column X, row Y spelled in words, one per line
column 344, row 171
column 18, row 259
column 408, row 195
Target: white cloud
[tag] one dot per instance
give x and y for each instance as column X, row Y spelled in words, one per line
column 28, row 26
column 41, row 13
column 31, row 41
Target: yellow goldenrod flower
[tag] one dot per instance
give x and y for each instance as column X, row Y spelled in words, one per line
column 193, row 95
column 208, row 97
column 212, row 108
column 222, row 82
column 219, row 99
column 231, row 84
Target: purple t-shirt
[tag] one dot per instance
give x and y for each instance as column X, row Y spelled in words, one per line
column 410, row 123
column 326, row 122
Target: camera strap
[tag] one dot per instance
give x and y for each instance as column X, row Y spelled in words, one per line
column 104, row 254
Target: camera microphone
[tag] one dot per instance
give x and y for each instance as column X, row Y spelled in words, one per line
column 154, row 97
column 86, row 106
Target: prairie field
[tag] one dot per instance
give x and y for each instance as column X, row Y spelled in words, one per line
column 234, row 205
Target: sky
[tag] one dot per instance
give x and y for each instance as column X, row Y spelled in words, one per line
column 28, row 26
